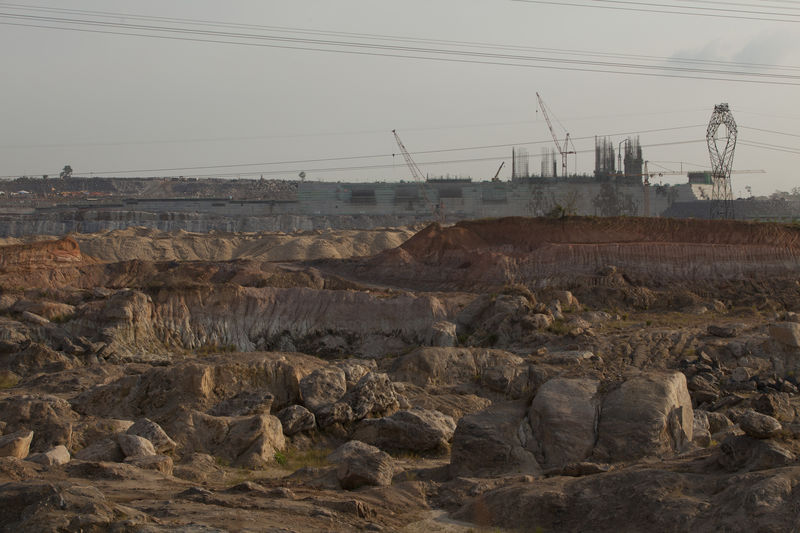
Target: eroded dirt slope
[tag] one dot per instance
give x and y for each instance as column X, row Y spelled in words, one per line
column 551, row 252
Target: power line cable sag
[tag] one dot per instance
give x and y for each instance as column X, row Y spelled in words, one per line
column 662, row 9
column 370, row 36
column 375, row 156
column 385, row 166
column 333, row 169
column 432, row 54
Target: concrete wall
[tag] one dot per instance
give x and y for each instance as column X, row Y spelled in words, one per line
column 319, row 205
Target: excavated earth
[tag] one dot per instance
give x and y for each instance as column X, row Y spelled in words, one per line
column 574, row 374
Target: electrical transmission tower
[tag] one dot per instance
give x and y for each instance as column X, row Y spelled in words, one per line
column 721, row 161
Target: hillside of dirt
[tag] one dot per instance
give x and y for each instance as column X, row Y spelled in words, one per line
column 44, row 254
column 577, row 251
column 570, row 374
column 153, row 245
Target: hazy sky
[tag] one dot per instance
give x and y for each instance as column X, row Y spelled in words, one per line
column 103, row 102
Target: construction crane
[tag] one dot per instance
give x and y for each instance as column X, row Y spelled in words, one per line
column 565, row 151
column 437, row 209
column 498, row 171
column 646, row 190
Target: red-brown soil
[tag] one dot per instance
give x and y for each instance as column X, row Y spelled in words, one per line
column 563, row 252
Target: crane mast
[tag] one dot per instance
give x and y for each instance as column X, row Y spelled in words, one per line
column 563, row 151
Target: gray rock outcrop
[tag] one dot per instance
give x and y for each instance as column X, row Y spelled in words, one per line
column 296, row 419
column 563, row 418
column 647, row 415
column 322, row 387
column 360, row 464
column 135, row 446
column 55, row 457
column 415, row 430
column 151, row 431
column 757, row 425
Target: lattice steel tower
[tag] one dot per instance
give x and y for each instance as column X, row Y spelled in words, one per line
column 721, row 161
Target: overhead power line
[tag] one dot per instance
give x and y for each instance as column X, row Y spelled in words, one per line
column 376, row 156
column 360, row 167
column 331, row 169
column 767, row 146
column 772, row 131
column 652, row 7
column 379, row 37
column 728, row 72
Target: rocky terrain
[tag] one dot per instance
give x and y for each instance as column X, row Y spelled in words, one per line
column 500, row 375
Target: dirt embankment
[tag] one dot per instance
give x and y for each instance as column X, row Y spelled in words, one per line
column 41, row 254
column 539, row 251
column 154, row 245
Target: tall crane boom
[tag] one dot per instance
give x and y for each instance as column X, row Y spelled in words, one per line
column 438, row 209
column 565, row 151
column 412, row 166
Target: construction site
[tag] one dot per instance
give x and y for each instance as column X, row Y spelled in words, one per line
column 622, row 184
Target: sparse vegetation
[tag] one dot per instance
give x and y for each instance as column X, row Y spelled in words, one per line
column 293, row 459
column 8, row 379
column 559, row 327
column 61, row 319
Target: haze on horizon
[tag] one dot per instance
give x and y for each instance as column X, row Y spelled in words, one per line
column 320, row 85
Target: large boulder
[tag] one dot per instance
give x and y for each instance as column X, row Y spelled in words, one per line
column 17, row 444
column 757, row 425
column 159, row 463
column 415, row 430
column 246, row 441
column 742, row 453
column 335, row 416
column 360, row 464
column 777, row 405
column 49, row 416
column 373, row 395
column 491, row 442
column 162, row 392
column 135, row 446
column 647, row 415
column 198, row 467
column 355, row 369
column 55, row 457
column 563, row 418
column 296, row 419
column 243, row 404
column 103, row 450
column 496, row 370
column 146, row 428
column 35, row 505
column 786, row 333
column 322, row 387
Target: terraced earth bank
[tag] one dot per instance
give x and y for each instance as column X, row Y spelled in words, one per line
column 516, row 375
